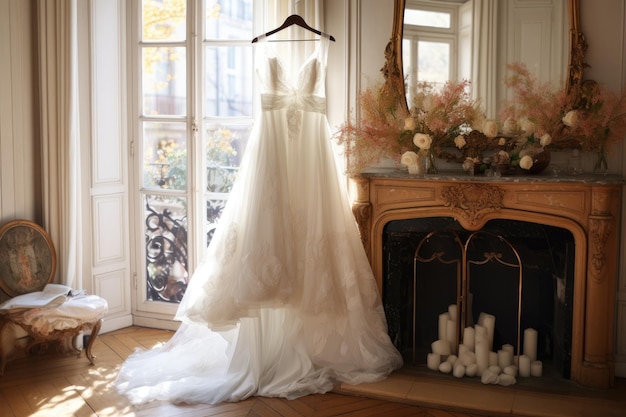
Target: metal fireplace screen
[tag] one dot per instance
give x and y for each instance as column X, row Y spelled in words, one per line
column 485, row 272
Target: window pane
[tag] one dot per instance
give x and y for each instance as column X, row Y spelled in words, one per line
column 164, row 81
column 228, row 87
column 408, row 67
column 165, row 155
column 165, row 229
column 164, row 20
column 229, row 19
column 427, row 18
column 225, row 146
column 433, row 64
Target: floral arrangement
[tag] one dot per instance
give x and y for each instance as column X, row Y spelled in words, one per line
column 438, row 118
column 537, row 118
column 530, row 122
column 537, row 109
column 374, row 135
column 600, row 121
column 386, row 129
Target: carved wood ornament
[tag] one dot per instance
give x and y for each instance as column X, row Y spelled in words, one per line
column 362, row 213
column 599, row 231
column 473, row 201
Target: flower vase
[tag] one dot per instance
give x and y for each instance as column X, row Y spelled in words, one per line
column 431, row 167
column 601, row 166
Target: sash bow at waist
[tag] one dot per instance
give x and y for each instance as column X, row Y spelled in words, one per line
column 294, row 101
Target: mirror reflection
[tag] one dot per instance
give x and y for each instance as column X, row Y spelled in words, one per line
column 476, row 39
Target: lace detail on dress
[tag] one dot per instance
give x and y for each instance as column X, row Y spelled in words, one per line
column 295, row 100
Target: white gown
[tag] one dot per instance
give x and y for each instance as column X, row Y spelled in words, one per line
column 285, row 303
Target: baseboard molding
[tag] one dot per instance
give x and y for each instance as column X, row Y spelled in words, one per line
column 155, row 323
column 116, row 323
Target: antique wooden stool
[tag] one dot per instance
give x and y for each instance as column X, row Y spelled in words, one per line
column 45, row 312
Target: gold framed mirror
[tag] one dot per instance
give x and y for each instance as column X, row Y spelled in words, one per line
column 394, row 73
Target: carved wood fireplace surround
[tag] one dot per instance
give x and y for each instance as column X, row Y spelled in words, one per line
column 587, row 206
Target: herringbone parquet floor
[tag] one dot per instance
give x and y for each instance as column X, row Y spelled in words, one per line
column 57, row 385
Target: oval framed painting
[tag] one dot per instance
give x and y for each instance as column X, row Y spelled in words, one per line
column 27, row 258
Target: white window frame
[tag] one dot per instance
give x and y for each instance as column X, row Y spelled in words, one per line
column 160, row 313
column 416, row 33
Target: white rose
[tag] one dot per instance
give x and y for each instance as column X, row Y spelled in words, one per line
column 409, row 123
column 527, row 126
column 460, row 141
column 422, row 140
column 571, row 118
column 409, row 158
column 510, row 126
column 526, row 162
column 478, row 123
column 490, row 128
column 502, row 141
column 503, row 157
column 468, row 164
column 412, row 161
column 545, row 140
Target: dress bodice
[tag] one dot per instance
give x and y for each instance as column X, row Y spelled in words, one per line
column 302, row 89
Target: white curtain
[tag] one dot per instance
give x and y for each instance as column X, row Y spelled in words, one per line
column 276, row 11
column 484, row 65
column 56, row 20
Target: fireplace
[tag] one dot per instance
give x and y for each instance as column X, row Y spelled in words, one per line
column 521, row 273
column 581, row 214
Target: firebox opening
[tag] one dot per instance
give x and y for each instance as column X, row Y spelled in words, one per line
column 547, row 259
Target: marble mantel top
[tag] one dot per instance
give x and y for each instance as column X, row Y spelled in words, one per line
column 455, row 175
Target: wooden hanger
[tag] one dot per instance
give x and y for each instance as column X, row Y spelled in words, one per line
column 294, row 19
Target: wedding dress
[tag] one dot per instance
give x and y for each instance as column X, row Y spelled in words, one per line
column 285, row 303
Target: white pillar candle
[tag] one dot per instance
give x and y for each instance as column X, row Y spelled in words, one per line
column 506, row 380
column 452, row 312
column 471, row 370
column 443, row 320
column 524, row 366
column 445, row 367
column 468, row 337
column 463, row 349
column 432, row 361
column 467, row 358
column 481, row 318
column 495, row 369
column 489, row 322
column 440, row 347
column 536, row 368
column 510, row 349
column 504, row 358
column 510, row 370
column 458, row 370
column 480, row 331
column 482, row 356
column 451, row 335
column 493, row 358
column 530, row 343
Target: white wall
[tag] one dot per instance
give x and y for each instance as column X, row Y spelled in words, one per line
column 19, row 158
column 362, row 29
